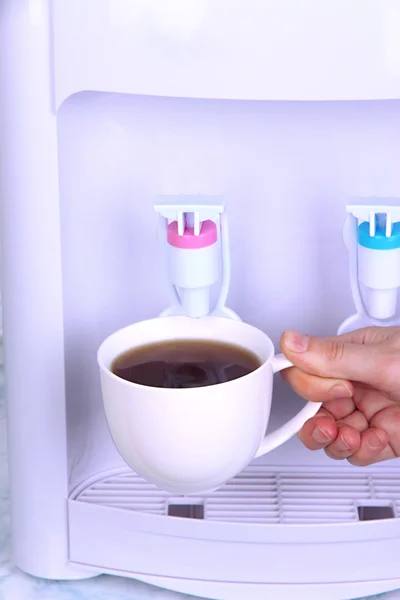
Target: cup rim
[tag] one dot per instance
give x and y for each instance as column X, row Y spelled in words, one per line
column 132, row 385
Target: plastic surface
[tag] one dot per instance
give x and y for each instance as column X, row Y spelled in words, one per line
column 192, row 273
column 220, row 590
column 189, row 240
column 374, row 272
column 33, row 312
column 254, row 525
column 273, row 50
column 379, row 240
column 83, row 159
column 379, row 273
column 193, row 257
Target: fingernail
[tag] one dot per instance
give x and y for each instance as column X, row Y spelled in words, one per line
column 320, row 436
column 374, row 441
column 340, row 390
column 342, row 445
column 296, row 342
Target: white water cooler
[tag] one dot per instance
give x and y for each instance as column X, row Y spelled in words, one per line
column 287, row 112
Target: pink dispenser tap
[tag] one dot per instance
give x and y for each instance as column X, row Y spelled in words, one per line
column 195, row 232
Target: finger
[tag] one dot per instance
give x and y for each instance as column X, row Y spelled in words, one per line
column 333, row 358
column 366, row 335
column 347, row 442
column 318, row 432
column 374, row 448
column 316, row 389
column 388, row 419
column 370, row 401
column 356, row 420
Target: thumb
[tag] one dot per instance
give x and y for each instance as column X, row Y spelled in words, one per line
column 334, row 358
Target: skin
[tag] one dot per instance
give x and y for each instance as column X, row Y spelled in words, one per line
column 357, row 377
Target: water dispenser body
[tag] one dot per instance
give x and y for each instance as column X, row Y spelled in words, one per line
column 106, row 105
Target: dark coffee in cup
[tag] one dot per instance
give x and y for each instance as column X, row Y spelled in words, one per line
column 185, row 363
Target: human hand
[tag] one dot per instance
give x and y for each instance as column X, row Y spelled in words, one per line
column 357, row 377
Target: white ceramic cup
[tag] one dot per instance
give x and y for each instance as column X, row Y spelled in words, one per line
column 191, row 441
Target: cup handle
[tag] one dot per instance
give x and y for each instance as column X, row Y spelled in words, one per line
column 285, row 432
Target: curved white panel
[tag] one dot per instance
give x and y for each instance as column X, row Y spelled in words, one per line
column 261, row 49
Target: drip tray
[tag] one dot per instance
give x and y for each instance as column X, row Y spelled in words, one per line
column 261, row 495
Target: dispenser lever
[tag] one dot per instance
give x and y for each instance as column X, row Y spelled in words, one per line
column 194, row 225
column 372, row 235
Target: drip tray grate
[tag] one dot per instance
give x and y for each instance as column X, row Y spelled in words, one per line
column 262, row 495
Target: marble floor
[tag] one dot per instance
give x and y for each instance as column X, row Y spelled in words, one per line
column 15, row 585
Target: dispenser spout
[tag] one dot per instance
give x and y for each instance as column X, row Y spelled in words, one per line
column 193, row 263
column 381, row 304
column 193, row 226
column 379, row 264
